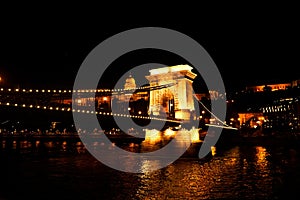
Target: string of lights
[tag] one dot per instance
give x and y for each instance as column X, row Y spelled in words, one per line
column 218, row 119
column 115, row 90
column 69, row 109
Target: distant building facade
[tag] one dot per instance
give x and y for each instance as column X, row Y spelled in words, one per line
column 273, row 87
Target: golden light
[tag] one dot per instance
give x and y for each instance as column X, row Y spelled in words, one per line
column 104, row 98
column 261, row 118
column 152, row 136
column 165, row 70
column 169, row 132
column 261, row 156
column 213, row 150
column 194, row 134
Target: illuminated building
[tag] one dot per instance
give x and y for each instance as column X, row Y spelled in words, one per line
column 177, row 100
column 132, row 100
column 272, row 108
column 129, row 83
column 270, row 87
column 282, row 114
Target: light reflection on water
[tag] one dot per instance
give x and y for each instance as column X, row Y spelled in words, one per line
column 69, row 171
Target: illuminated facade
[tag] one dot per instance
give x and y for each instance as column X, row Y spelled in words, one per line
column 283, row 114
column 253, row 119
column 177, row 100
column 135, row 103
column 129, row 83
column 272, row 87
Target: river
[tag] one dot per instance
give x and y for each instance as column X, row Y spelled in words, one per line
column 62, row 170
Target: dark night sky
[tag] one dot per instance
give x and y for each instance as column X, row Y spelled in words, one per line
column 248, row 48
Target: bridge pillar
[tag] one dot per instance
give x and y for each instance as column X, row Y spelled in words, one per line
column 177, row 100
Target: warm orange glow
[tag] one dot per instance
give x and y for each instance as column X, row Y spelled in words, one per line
column 243, row 117
column 182, row 78
column 131, row 145
column 261, row 156
column 168, row 132
column 261, row 118
column 152, row 136
column 195, row 137
column 213, row 150
column 273, row 87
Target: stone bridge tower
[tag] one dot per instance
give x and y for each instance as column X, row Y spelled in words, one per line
column 177, row 100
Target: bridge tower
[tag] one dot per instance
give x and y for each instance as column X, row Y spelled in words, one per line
column 176, row 101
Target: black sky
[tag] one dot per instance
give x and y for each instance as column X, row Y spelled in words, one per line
column 250, row 48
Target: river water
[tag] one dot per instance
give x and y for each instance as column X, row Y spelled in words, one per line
column 62, row 170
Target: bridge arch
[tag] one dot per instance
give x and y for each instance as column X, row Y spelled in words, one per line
column 178, row 98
